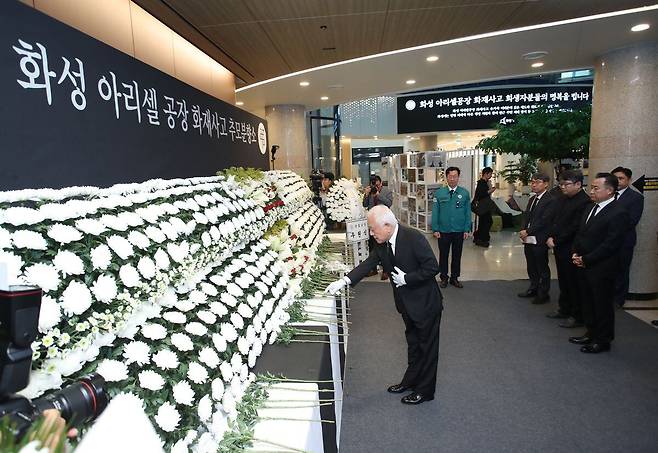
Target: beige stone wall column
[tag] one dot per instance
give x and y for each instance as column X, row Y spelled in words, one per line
column 625, row 132
column 288, row 127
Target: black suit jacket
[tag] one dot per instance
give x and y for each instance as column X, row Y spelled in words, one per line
column 599, row 240
column 633, row 203
column 538, row 222
column 567, row 218
column 421, row 296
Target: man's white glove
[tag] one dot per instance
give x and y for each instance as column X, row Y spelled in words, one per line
column 336, row 286
column 398, row 277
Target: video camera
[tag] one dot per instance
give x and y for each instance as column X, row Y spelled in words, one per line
column 316, row 178
column 373, row 185
column 79, row 403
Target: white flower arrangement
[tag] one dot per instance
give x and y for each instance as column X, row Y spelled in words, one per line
column 344, row 201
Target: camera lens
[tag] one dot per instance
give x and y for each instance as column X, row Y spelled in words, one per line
column 78, row 403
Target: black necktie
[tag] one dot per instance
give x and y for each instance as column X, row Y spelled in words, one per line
column 616, row 195
column 451, row 192
column 534, row 203
column 593, row 213
column 391, row 256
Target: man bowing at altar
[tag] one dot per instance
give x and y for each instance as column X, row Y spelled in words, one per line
column 406, row 255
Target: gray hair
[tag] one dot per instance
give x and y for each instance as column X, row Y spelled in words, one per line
column 382, row 215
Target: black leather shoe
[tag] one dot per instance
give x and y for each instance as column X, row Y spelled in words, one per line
column 584, row 339
column 443, row 283
column 398, row 388
column 595, row 348
column 415, row 398
column 556, row 315
column 456, row 283
column 571, row 323
column 540, row 300
column 527, row 294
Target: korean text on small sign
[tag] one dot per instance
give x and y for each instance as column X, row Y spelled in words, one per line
column 357, row 231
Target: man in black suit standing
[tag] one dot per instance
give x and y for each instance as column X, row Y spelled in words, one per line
column 569, row 210
column 633, row 202
column 407, row 256
column 537, row 222
column 596, row 252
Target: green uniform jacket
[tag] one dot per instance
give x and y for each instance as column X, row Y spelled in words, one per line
column 451, row 214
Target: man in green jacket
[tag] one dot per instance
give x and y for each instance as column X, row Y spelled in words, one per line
column 451, row 223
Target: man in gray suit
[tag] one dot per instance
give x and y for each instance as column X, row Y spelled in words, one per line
column 407, row 256
column 633, row 203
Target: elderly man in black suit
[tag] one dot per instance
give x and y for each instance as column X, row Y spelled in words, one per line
column 633, row 202
column 596, row 253
column 537, row 222
column 569, row 210
column 407, row 256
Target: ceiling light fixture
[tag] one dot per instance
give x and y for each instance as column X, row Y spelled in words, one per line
column 375, row 137
column 641, row 27
column 304, row 83
column 535, row 55
column 410, row 82
column 239, row 103
column 539, row 64
column 642, row 9
column 432, row 58
column 324, row 98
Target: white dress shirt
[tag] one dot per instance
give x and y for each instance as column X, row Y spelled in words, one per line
column 601, row 205
column 393, row 239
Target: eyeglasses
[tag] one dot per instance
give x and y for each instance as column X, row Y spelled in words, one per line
column 565, row 184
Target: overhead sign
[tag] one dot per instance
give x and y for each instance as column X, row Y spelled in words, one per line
column 76, row 111
column 482, row 108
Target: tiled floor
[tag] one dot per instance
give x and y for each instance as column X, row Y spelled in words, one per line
column 504, row 260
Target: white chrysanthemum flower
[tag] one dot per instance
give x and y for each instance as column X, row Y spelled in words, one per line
column 245, row 311
column 167, row 417
column 205, row 408
column 105, row 288
column 22, row 216
column 196, row 328
column 90, row 226
column 154, row 331
column 206, row 239
column 198, row 297
column 146, row 267
column 137, row 352
column 50, row 314
column 243, row 346
column 228, row 299
column 182, row 342
column 101, row 257
column 228, row 332
column 209, row 289
column 209, row 357
column 207, row 317
column 5, row 239
column 112, row 370
column 68, row 263
column 237, row 321
column 45, row 276
column 228, row 403
column 131, row 219
column 197, row 373
column 217, row 387
column 234, row 290
column 227, row 371
column 155, row 234
column 175, row 317
column 150, row 380
column 24, row 239
column 178, row 252
column 185, row 305
column 219, row 342
column 64, row 234
column 183, row 393
column 162, row 259
column 76, row 298
column 218, row 308
column 166, row 359
column 129, row 276
column 139, row 239
column 121, row 246
column 114, row 222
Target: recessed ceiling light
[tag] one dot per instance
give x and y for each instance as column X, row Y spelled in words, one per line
column 432, row 58
column 239, row 103
column 324, row 98
column 410, row 82
column 539, row 64
column 536, row 55
column 641, row 27
column 408, row 136
column 375, row 137
column 304, row 83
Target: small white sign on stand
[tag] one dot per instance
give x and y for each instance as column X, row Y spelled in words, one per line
column 357, row 235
